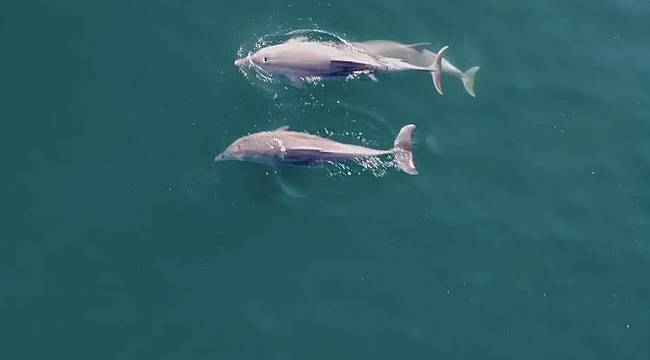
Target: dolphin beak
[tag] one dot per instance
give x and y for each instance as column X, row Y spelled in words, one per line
column 219, row 157
column 241, row 62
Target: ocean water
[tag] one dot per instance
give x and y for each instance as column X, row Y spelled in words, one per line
column 526, row 234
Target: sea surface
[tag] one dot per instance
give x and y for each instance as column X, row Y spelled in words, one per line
column 526, row 234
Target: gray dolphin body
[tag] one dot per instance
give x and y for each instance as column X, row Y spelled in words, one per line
column 299, row 58
column 418, row 55
column 282, row 146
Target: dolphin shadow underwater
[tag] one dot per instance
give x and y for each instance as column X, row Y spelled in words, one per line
column 299, row 59
column 282, row 146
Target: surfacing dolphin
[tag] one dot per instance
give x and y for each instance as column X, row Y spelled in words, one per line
column 418, row 55
column 300, row 58
column 282, row 146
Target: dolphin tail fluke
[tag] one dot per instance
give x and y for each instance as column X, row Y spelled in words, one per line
column 436, row 70
column 403, row 150
column 468, row 80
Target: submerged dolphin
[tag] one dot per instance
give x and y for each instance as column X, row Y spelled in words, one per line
column 282, row 146
column 416, row 54
column 300, row 58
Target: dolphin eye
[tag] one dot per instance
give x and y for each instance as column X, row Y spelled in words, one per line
column 265, row 59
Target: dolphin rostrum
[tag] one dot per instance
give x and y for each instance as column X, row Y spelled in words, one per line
column 282, row 146
column 300, row 58
column 418, row 55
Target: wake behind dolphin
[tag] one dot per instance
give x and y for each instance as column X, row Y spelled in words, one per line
column 282, row 146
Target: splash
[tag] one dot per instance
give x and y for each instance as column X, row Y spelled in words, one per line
column 379, row 167
column 376, row 166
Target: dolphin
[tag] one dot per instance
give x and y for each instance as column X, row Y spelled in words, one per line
column 418, row 55
column 300, row 58
column 282, row 146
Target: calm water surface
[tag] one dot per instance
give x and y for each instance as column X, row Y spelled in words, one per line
column 525, row 236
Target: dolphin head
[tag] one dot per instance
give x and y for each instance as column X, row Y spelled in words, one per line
column 260, row 59
column 233, row 152
column 266, row 58
column 223, row 157
column 290, row 58
column 247, row 148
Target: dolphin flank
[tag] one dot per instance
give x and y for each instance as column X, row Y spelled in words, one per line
column 418, row 55
column 300, row 58
column 282, row 146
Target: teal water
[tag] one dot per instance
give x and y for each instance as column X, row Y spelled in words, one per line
column 525, row 236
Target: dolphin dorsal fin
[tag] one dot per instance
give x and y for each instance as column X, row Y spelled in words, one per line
column 282, row 128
